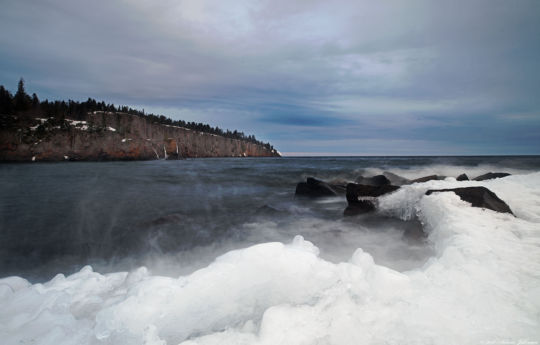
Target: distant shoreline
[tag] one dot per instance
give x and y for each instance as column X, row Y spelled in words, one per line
column 111, row 136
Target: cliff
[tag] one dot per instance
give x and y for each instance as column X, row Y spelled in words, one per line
column 113, row 136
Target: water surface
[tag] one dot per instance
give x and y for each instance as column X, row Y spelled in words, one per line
column 176, row 216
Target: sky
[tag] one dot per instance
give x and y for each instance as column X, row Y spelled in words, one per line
column 311, row 77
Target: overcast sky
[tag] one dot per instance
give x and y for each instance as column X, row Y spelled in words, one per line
column 311, row 77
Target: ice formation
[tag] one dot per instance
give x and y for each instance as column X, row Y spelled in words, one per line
column 481, row 286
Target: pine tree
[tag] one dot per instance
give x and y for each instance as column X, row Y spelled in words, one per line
column 22, row 100
column 6, row 102
column 35, row 101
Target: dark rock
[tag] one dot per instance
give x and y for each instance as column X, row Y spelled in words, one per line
column 463, row 177
column 359, row 190
column 490, row 176
column 428, row 178
column 354, row 191
column 339, row 186
column 359, row 207
column 378, row 180
column 314, row 188
column 396, row 180
column 478, row 197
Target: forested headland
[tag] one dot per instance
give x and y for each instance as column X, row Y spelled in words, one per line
column 24, row 105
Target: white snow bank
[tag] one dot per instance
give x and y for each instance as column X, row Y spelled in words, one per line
column 482, row 286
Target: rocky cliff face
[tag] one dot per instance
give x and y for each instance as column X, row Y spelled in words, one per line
column 113, row 136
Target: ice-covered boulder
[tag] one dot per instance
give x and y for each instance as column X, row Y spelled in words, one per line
column 478, row 197
column 355, row 191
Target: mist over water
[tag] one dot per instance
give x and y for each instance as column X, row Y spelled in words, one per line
column 219, row 251
column 177, row 216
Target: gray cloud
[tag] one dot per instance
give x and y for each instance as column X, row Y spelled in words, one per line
column 302, row 74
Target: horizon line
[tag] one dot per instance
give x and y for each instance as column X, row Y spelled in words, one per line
column 330, row 154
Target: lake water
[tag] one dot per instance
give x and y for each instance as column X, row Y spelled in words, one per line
column 174, row 218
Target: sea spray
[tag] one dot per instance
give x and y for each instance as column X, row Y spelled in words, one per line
column 354, row 280
column 484, row 272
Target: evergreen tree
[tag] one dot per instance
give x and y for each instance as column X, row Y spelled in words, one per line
column 35, row 101
column 6, row 102
column 22, row 100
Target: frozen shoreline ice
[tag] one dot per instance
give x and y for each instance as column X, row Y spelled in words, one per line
column 482, row 284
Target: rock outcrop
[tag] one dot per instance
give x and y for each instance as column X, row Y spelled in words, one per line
column 478, row 197
column 360, row 206
column 396, row 180
column 377, row 180
column 490, row 176
column 462, row 177
column 428, row 178
column 354, row 191
column 314, row 188
column 114, row 136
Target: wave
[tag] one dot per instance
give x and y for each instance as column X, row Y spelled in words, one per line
column 481, row 285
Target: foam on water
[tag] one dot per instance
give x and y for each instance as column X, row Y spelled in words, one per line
column 481, row 285
column 447, row 170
